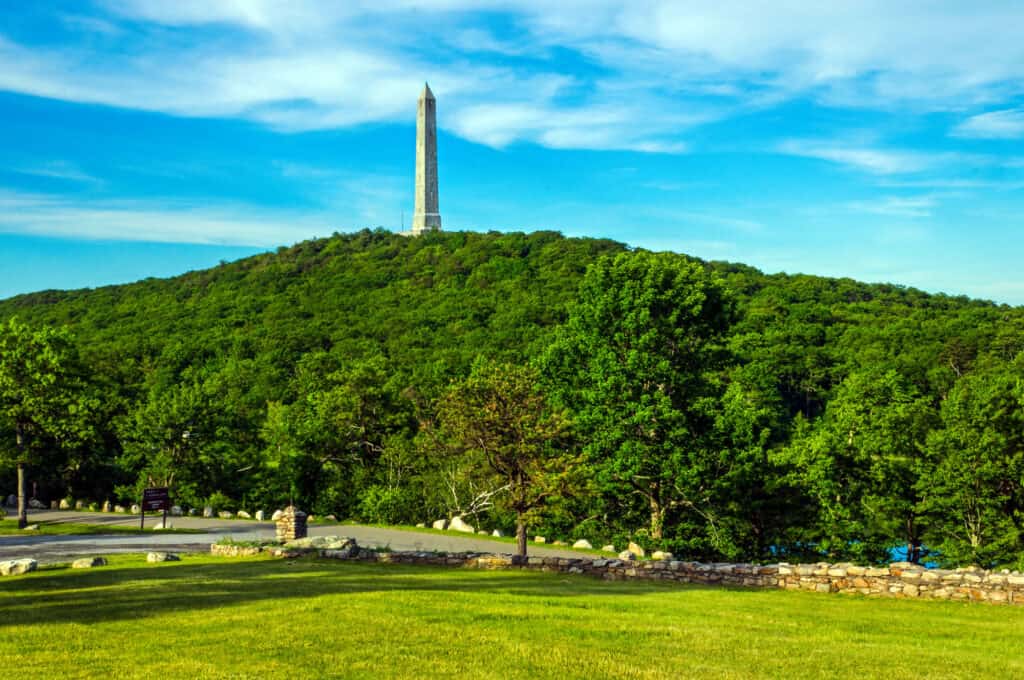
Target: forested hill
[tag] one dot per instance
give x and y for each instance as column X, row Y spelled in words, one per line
column 246, row 358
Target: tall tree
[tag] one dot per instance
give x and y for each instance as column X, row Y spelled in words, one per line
column 42, row 395
column 500, row 416
column 638, row 362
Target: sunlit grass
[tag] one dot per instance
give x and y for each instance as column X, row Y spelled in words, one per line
column 57, row 528
column 205, row 617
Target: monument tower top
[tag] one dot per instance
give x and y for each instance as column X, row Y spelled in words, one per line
column 426, row 216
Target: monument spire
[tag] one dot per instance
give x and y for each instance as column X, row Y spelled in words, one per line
column 426, row 216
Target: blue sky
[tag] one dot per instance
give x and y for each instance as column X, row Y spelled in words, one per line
column 882, row 141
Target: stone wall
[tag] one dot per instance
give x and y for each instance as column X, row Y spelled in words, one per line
column 901, row 580
column 228, row 550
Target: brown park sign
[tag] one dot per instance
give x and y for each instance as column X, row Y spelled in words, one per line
column 156, row 499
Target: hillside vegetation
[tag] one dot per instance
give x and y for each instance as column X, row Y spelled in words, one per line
column 811, row 416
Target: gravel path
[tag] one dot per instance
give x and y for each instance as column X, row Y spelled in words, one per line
column 47, row 549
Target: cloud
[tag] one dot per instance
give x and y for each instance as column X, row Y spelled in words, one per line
column 897, row 206
column 877, row 161
column 58, row 169
column 163, row 222
column 574, row 74
column 1006, row 124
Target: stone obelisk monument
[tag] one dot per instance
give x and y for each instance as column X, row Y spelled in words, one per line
column 426, row 216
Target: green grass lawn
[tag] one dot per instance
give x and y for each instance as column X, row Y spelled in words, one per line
column 310, row 618
column 10, row 526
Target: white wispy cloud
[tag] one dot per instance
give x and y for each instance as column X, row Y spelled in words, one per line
column 1005, row 124
column 306, row 64
column 897, row 206
column 157, row 221
column 868, row 159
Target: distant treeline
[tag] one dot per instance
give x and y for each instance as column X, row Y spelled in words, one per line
column 712, row 410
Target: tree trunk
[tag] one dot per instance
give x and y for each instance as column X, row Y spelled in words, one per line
column 520, row 537
column 22, row 504
column 657, row 518
column 22, row 501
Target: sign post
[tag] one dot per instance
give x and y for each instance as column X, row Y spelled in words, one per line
column 154, row 499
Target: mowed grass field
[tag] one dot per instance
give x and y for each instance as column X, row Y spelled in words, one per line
column 209, row 617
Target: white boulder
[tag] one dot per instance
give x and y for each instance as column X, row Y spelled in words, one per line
column 627, row 555
column 583, row 544
column 176, row 511
column 207, row 512
column 661, row 555
column 539, row 539
column 162, row 557
column 277, row 515
column 635, row 549
column 16, row 567
column 88, row 562
column 458, row 524
column 242, row 514
column 224, row 514
column 36, row 504
column 441, row 524
column 608, row 548
column 136, row 509
column 260, row 516
column 497, row 533
column 64, row 504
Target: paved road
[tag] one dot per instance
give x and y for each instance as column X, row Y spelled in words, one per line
column 60, row 548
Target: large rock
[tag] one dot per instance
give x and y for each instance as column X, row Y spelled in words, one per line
column 16, row 567
column 120, row 508
column 224, row 514
column 107, row 507
column 207, row 512
column 458, row 524
column 162, row 557
column 277, row 515
column 64, row 504
column 440, row 524
column 54, row 505
column 136, row 509
column 176, row 511
column 260, row 515
column 322, row 543
column 627, row 555
column 497, row 533
column 608, row 548
column 539, row 539
column 661, row 555
column 583, row 544
column 421, row 525
column 79, row 505
column 36, row 504
column 242, row 514
column 31, row 527
column 161, row 526
column 12, row 501
column 88, row 562
column 635, row 549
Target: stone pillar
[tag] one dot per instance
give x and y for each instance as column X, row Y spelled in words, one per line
column 291, row 525
column 426, row 215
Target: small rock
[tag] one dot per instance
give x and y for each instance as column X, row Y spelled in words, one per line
column 36, row 504
column 17, row 567
column 277, row 515
column 54, row 505
column 88, row 562
column 583, row 544
column 497, row 533
column 559, row 543
column 242, row 514
column 635, row 549
column 458, row 524
column 79, row 505
column 136, row 509
column 627, row 555
column 608, row 548
column 160, row 526
column 441, row 524
column 539, row 539
column 64, row 504
column 192, row 512
column 207, row 512
column 260, row 516
column 162, row 557
column 107, row 507
column 421, row 525
column 224, row 514
column 330, row 518
column 176, row 511
column 661, row 555
column 482, row 532
column 120, row 508
column 31, row 527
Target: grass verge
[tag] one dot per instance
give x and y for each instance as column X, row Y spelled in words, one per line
column 9, row 527
column 310, row 618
